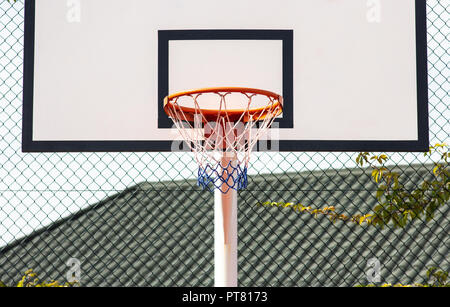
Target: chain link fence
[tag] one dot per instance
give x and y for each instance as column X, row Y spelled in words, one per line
column 137, row 219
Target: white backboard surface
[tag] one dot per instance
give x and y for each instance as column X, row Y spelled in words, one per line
column 206, row 63
column 353, row 72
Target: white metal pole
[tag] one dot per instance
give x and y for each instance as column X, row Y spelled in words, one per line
column 225, row 235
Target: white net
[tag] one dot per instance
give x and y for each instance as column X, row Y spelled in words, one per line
column 222, row 127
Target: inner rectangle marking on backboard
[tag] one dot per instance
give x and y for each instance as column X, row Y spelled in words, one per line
column 190, row 59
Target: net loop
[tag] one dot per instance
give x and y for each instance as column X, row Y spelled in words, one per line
column 216, row 176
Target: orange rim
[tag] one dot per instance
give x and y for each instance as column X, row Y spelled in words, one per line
column 235, row 114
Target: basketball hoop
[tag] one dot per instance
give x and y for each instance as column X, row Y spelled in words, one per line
column 221, row 126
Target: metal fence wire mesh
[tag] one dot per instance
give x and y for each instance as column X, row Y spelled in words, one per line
column 138, row 219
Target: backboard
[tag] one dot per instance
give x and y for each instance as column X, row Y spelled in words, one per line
column 353, row 73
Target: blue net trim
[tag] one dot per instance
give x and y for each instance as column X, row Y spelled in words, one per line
column 222, row 178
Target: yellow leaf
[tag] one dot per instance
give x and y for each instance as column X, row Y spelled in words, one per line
column 374, row 173
column 361, row 220
column 435, row 169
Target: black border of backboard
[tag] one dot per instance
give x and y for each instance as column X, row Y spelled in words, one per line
column 28, row 145
column 285, row 36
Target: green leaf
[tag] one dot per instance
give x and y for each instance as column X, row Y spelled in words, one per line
column 380, row 192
